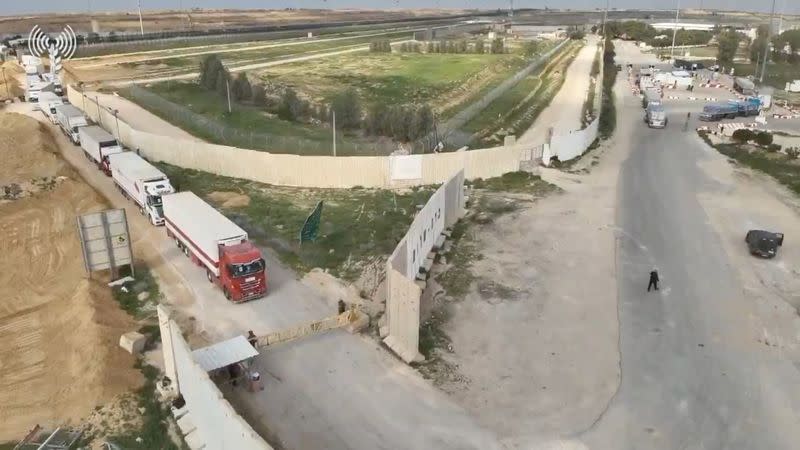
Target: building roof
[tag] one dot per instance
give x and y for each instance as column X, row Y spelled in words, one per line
column 684, row 25
column 224, row 353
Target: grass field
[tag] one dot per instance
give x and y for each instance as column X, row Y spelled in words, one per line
column 357, row 224
column 439, row 79
column 778, row 74
column 784, row 168
column 516, row 109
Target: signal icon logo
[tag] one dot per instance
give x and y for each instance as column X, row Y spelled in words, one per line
column 59, row 48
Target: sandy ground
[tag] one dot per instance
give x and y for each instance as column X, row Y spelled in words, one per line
column 564, row 112
column 59, row 357
column 745, row 200
column 536, row 338
column 9, row 85
column 201, row 19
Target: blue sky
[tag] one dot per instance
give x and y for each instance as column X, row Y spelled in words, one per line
column 8, row 7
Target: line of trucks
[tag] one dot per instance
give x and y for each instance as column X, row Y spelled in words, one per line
column 731, row 109
column 202, row 233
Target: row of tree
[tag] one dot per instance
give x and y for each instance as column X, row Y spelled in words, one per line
column 460, row 46
column 785, row 46
column 640, row 31
column 402, row 122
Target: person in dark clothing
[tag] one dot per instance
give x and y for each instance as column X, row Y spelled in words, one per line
column 252, row 339
column 653, row 280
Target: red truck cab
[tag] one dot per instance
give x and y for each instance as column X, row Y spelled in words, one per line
column 242, row 272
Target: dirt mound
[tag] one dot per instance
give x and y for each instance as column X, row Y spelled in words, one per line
column 59, row 329
column 9, row 86
column 27, row 150
column 228, row 199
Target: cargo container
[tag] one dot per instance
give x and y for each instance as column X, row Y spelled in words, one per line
column 97, row 144
column 719, row 111
column 69, row 120
column 141, row 182
column 218, row 245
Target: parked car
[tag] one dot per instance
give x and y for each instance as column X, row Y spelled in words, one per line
column 763, row 243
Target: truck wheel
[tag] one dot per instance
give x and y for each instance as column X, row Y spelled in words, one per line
column 226, row 293
column 186, row 251
column 209, row 276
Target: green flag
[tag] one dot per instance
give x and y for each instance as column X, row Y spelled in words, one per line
column 311, row 225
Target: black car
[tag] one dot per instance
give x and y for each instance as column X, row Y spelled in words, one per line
column 763, row 243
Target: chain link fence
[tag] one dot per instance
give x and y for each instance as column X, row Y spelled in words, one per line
column 453, row 125
column 219, row 133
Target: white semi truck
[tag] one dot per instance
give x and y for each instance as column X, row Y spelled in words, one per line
column 98, row 145
column 142, row 182
column 48, row 101
column 70, row 119
column 218, row 245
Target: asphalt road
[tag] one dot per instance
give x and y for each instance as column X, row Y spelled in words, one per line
column 692, row 374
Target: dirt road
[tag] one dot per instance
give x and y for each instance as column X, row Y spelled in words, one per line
column 193, row 75
column 536, row 337
column 315, row 376
column 59, row 330
column 564, row 112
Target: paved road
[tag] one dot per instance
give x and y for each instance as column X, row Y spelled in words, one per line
column 333, row 391
column 693, row 376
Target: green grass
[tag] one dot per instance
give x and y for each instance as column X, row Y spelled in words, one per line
column 357, row 224
column 516, row 182
column 777, row 75
column 128, row 298
column 516, row 109
column 778, row 165
column 394, row 78
column 153, row 432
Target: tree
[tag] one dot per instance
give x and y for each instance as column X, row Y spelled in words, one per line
column 259, row 95
column 594, row 29
column 210, row 68
column 429, row 48
column 497, row 46
column 222, row 80
column 422, row 122
column 728, row 42
column 479, row 49
column 347, row 108
column 290, row 106
column 462, row 46
column 241, row 89
column 375, row 123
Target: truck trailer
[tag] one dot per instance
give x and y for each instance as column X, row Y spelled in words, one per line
column 747, row 107
column 231, row 261
column 655, row 116
column 47, row 102
column 97, row 144
column 141, row 182
column 649, row 97
column 719, row 111
column 69, row 120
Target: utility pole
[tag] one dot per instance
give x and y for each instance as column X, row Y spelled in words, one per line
column 605, row 19
column 675, row 29
column 334, row 131
column 141, row 25
column 228, row 90
column 766, row 44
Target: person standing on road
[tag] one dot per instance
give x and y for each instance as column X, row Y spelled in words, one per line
column 653, row 280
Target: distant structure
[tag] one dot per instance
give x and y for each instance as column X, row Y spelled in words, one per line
column 684, row 26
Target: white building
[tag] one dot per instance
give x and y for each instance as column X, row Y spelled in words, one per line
column 685, row 26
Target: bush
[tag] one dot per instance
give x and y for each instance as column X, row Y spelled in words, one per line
column 347, row 108
column 608, row 112
column 773, row 148
column 479, row 48
column 763, row 139
column 259, row 95
column 743, row 135
column 241, row 89
column 793, row 153
column 498, row 46
column 292, row 107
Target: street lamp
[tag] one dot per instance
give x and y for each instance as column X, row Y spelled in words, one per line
column 675, row 28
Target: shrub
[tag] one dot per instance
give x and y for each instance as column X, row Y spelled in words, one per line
column 763, row 138
column 773, row 148
column 793, row 153
column 348, row 109
column 743, row 135
column 259, row 95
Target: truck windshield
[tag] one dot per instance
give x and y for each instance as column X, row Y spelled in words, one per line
column 111, row 143
column 241, row 270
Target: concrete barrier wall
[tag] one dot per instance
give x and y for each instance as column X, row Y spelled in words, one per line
column 217, row 423
column 572, row 145
column 305, row 171
column 443, row 209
